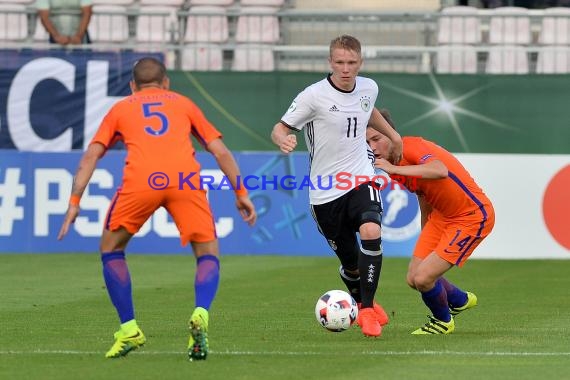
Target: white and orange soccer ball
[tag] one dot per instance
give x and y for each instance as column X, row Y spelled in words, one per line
column 336, row 310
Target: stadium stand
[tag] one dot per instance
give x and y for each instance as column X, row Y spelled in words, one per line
column 156, row 24
column 458, row 29
column 456, row 59
column 211, row 2
column 265, row 35
column 114, row 2
column 554, row 57
column 555, row 29
column 14, row 22
column 109, row 23
column 553, row 60
column 509, row 25
column 206, row 23
column 507, row 59
column 202, row 57
column 251, row 57
column 459, row 25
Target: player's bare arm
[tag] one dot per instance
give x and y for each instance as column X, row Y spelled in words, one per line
column 228, row 165
column 82, row 177
column 281, row 137
column 434, row 169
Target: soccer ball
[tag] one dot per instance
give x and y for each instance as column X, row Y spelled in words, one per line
column 336, row 310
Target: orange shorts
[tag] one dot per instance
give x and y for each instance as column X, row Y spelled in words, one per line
column 454, row 239
column 188, row 208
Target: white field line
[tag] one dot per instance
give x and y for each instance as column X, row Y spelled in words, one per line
column 297, row 353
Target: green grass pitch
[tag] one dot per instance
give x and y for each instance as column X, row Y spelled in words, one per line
column 56, row 322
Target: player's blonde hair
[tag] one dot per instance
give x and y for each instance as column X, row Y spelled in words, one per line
column 345, row 42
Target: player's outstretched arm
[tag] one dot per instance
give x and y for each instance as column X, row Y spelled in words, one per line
column 283, row 139
column 228, row 165
column 434, row 169
column 84, row 172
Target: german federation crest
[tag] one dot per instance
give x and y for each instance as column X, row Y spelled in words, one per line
column 365, row 103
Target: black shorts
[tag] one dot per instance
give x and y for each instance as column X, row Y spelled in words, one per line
column 340, row 220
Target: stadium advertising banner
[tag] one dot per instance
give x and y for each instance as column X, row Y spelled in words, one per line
column 529, row 193
column 54, row 100
column 35, row 188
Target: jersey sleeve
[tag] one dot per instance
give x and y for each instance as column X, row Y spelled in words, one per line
column 107, row 134
column 300, row 112
column 417, row 151
column 201, row 129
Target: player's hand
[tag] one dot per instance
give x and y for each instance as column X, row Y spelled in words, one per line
column 246, row 209
column 288, row 144
column 70, row 215
column 382, row 163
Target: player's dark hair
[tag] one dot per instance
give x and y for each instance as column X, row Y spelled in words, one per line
column 386, row 114
column 345, row 42
column 148, row 70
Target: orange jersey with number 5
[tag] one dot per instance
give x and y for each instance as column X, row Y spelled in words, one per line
column 155, row 125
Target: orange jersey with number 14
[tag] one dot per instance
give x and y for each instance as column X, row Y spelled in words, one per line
column 462, row 215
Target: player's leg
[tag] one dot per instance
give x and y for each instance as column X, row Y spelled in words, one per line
column 475, row 230
column 118, row 283
column 127, row 213
column 424, row 271
column 457, row 299
column 206, row 283
column 365, row 211
column 434, row 296
column 192, row 215
column 333, row 221
column 412, row 269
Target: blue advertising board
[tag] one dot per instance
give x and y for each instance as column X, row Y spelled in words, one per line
column 53, row 100
column 35, row 188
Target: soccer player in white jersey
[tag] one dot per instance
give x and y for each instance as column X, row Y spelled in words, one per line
column 334, row 114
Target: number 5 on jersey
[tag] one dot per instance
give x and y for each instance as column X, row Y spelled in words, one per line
column 149, row 111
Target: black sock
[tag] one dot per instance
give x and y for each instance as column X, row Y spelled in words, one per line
column 369, row 266
column 352, row 283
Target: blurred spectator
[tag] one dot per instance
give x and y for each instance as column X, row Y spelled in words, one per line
column 66, row 21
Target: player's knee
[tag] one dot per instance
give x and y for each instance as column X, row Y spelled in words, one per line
column 410, row 280
column 369, row 231
column 205, row 248
column 423, row 282
column 111, row 246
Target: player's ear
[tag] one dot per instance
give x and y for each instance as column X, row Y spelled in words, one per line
column 133, row 86
column 166, row 83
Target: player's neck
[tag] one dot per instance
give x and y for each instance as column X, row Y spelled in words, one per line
column 150, row 85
